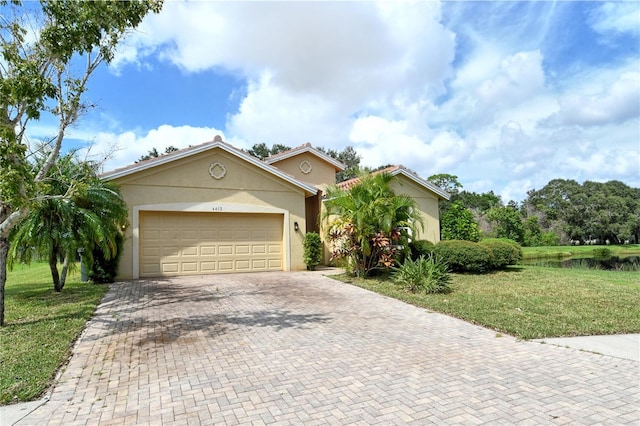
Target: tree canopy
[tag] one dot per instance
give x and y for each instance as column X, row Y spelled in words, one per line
column 42, row 49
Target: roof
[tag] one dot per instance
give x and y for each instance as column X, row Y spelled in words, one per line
column 400, row 170
column 187, row 152
column 302, row 149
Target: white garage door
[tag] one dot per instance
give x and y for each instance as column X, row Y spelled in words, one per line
column 177, row 243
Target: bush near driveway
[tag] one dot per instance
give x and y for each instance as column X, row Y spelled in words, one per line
column 424, row 275
column 464, row 256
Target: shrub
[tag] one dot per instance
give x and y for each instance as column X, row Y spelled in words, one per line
column 504, row 252
column 421, row 248
column 312, row 250
column 464, row 256
column 428, row 275
column 104, row 270
column 602, row 253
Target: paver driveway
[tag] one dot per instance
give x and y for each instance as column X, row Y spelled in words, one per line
column 300, row 348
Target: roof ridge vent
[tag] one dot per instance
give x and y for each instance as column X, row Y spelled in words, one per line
column 217, row 138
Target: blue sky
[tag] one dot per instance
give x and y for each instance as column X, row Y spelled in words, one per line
column 505, row 95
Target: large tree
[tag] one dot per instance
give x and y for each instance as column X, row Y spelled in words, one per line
column 349, row 157
column 88, row 215
column 42, row 49
column 367, row 221
column 589, row 211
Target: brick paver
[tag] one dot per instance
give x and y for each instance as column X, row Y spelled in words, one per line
column 300, row 348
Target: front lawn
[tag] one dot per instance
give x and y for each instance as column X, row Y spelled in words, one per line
column 40, row 328
column 533, row 302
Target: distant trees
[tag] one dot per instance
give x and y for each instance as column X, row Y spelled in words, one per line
column 595, row 212
column 262, row 151
column 563, row 211
column 153, row 153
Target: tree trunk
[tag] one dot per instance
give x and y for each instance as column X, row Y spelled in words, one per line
column 4, row 252
column 53, row 265
column 63, row 273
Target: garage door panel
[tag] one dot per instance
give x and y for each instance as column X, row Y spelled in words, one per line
column 174, row 243
column 242, row 249
column 258, row 249
column 207, row 250
column 225, row 250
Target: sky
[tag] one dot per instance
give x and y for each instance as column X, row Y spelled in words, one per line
column 505, row 95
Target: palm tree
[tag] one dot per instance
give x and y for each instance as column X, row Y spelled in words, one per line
column 87, row 214
column 365, row 221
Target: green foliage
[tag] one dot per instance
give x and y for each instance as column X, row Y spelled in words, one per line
column 445, row 181
column 82, row 212
column 464, row 256
column 421, row 248
column 458, row 223
column 153, row 153
column 312, row 250
column 504, row 252
column 424, row 275
column 550, row 238
column 591, row 211
column 262, row 151
column 602, row 253
column 42, row 71
column 349, row 157
column 367, row 222
column 508, row 223
column 104, row 267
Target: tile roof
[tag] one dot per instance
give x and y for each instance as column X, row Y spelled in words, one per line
column 305, row 148
column 186, row 152
column 399, row 170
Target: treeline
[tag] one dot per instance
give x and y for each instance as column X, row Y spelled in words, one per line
column 562, row 212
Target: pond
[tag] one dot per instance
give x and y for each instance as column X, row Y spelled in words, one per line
column 610, row 263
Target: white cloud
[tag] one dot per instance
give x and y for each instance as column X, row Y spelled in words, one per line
column 611, row 102
column 482, row 98
column 125, row 148
column 622, row 16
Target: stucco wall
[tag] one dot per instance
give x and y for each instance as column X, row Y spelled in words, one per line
column 188, row 181
column 428, row 204
column 322, row 174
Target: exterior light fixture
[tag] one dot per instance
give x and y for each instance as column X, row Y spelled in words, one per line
column 295, row 226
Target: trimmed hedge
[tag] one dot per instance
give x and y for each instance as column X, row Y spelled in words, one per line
column 421, row 248
column 505, row 252
column 464, row 256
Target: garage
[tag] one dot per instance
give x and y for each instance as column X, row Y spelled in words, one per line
column 194, row 243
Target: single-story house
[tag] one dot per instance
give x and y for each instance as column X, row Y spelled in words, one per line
column 212, row 208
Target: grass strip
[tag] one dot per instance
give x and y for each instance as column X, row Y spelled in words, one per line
column 41, row 327
column 533, row 302
column 552, row 252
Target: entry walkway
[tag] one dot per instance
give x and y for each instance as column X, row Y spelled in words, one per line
column 300, row 348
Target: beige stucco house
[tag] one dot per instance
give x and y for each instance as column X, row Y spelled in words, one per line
column 213, row 209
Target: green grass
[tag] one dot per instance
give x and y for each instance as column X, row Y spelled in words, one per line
column 578, row 251
column 40, row 329
column 534, row 302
